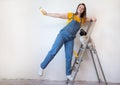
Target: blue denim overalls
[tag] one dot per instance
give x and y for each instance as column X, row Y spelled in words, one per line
column 66, row 36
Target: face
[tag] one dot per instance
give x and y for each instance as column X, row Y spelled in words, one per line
column 81, row 9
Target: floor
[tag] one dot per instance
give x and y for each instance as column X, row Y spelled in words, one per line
column 43, row 82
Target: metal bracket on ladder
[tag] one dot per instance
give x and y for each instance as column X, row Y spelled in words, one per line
column 86, row 44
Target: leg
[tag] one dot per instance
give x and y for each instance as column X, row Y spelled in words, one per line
column 55, row 48
column 69, row 54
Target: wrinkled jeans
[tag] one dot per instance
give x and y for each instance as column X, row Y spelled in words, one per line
column 66, row 38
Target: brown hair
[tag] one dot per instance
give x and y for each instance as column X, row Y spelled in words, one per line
column 84, row 13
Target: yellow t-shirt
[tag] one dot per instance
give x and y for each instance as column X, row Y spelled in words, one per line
column 70, row 18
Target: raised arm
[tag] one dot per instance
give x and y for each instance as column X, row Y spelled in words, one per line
column 55, row 15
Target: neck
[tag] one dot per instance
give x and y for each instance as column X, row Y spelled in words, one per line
column 78, row 14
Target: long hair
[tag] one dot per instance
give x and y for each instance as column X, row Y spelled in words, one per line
column 84, row 13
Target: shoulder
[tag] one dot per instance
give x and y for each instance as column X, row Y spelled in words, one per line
column 70, row 14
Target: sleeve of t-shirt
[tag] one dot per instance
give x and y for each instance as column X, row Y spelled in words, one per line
column 70, row 14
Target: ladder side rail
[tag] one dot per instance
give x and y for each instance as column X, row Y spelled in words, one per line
column 80, row 60
column 95, row 66
column 100, row 66
column 93, row 49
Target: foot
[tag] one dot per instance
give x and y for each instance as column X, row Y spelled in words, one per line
column 40, row 71
column 69, row 77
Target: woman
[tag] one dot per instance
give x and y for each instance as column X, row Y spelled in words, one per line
column 66, row 36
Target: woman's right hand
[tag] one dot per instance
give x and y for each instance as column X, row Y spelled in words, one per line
column 55, row 15
column 43, row 11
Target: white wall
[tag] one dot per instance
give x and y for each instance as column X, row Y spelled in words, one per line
column 26, row 36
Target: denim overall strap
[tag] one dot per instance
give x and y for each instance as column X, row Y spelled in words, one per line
column 71, row 29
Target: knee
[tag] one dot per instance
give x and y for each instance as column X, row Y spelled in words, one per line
column 52, row 53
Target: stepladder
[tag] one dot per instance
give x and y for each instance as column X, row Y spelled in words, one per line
column 87, row 44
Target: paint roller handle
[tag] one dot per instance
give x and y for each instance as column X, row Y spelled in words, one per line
column 43, row 11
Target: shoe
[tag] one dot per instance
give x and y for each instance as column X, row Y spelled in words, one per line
column 69, row 77
column 40, row 71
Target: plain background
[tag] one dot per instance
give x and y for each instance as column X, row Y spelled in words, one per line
column 26, row 36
